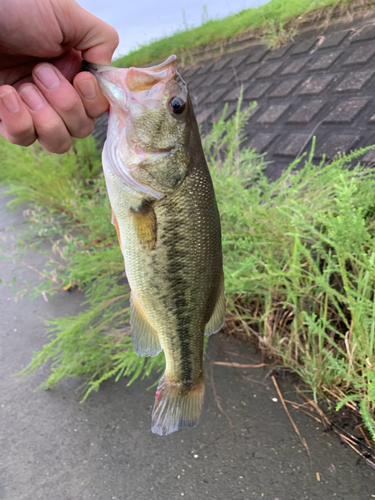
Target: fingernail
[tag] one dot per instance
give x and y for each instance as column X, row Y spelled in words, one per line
column 48, row 77
column 32, row 98
column 87, row 89
column 10, row 101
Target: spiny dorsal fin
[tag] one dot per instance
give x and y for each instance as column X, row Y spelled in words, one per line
column 145, row 225
column 144, row 337
column 217, row 319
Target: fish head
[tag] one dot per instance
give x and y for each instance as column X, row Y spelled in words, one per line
column 148, row 117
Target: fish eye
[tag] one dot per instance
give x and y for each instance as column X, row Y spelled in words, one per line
column 177, row 105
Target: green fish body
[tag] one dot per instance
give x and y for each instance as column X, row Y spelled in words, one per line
column 168, row 227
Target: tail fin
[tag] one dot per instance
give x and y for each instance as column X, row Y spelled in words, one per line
column 176, row 406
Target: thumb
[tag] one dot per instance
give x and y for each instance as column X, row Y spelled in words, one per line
column 85, row 32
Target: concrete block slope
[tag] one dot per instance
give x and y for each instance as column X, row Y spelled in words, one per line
column 320, row 84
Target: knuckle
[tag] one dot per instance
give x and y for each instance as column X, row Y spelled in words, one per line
column 63, row 148
column 96, row 110
column 58, row 148
column 85, row 130
column 22, row 136
column 21, row 129
column 51, row 128
column 21, row 141
column 70, row 105
column 115, row 37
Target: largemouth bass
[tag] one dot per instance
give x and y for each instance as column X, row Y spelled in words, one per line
column 168, row 227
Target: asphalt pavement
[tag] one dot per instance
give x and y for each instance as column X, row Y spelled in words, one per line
column 54, row 447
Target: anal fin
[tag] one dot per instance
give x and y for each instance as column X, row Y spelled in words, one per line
column 144, row 337
column 217, row 320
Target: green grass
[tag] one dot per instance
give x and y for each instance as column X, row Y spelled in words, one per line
column 299, row 262
column 271, row 19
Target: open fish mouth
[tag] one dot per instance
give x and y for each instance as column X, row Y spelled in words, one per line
column 142, row 97
column 118, row 83
column 159, row 72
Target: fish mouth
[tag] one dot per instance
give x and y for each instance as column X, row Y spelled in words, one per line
column 159, row 68
column 116, row 83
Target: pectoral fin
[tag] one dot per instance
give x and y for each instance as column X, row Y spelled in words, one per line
column 145, row 225
column 217, row 319
column 144, row 337
column 115, row 223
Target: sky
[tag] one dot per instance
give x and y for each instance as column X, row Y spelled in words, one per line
column 140, row 21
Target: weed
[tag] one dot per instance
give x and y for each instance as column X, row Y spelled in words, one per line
column 270, row 20
column 299, row 263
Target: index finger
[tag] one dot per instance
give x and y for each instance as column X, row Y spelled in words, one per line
column 96, row 39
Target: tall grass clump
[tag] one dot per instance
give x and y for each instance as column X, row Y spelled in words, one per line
column 69, row 208
column 275, row 22
column 299, row 263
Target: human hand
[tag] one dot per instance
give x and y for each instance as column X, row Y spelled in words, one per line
column 43, row 94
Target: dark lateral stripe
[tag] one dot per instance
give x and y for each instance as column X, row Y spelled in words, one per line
column 178, row 284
